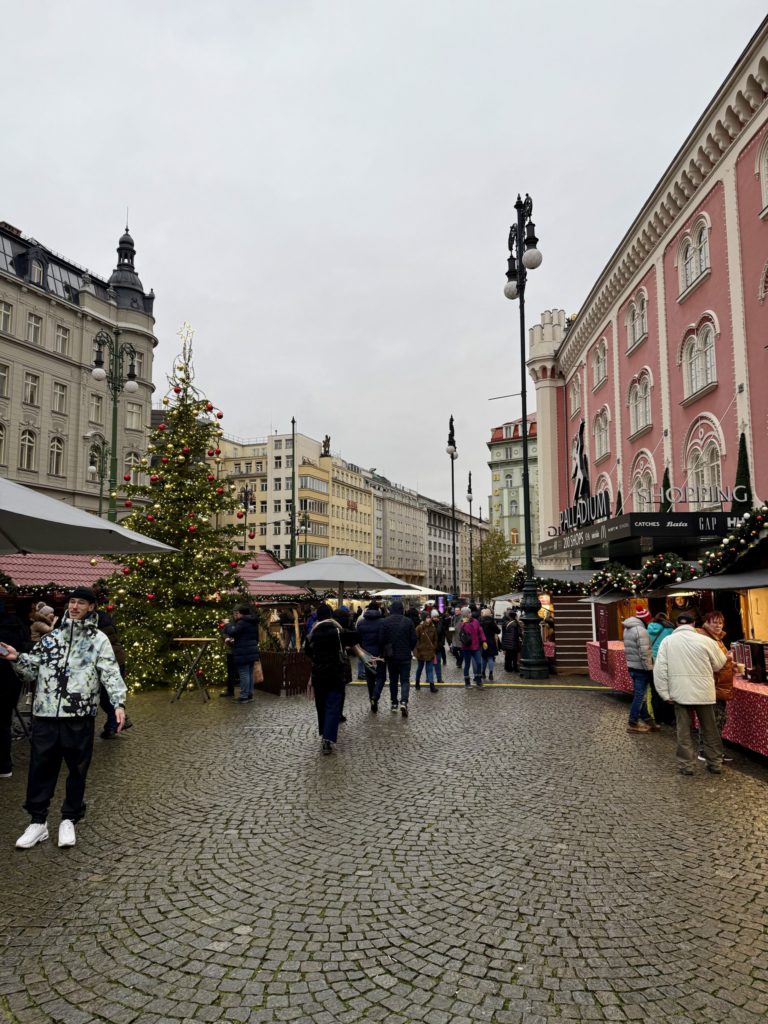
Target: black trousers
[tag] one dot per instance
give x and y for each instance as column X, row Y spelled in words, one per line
column 510, row 660
column 10, row 688
column 55, row 740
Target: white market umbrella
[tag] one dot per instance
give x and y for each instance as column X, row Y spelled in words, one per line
column 341, row 572
column 33, row 523
column 412, row 590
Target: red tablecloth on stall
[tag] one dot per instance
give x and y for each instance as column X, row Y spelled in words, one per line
column 747, row 722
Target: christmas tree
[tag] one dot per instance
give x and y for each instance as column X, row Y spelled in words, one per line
column 156, row 598
column 665, row 505
column 743, row 480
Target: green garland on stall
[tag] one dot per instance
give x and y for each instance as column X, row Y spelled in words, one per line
column 615, row 576
column 663, row 570
column 751, row 529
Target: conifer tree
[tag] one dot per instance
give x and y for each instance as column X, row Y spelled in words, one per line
column 743, row 480
column 665, row 505
column 155, row 598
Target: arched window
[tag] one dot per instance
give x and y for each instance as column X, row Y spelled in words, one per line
column 640, row 404
column 56, row 457
column 633, row 335
column 702, row 249
column 704, row 474
column 600, row 430
column 508, row 480
column 699, row 367
column 642, row 490
column 575, row 394
column 28, row 450
column 2, row 444
column 689, row 265
column 513, row 507
column 36, row 272
column 600, row 363
column 642, row 318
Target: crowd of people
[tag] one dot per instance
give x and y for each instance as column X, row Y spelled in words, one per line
column 687, row 668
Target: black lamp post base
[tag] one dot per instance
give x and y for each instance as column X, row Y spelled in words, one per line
column 533, row 662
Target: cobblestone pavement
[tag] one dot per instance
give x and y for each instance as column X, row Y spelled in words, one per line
column 509, row 856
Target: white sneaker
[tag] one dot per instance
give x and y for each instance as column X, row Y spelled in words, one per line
column 6, row 775
column 34, row 834
column 67, row 833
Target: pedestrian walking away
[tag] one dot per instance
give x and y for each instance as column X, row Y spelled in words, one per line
column 67, row 667
column 684, row 675
column 398, row 641
column 369, row 628
column 426, row 652
column 243, row 635
column 510, row 641
column 472, row 639
column 491, row 648
column 637, row 649
column 327, row 646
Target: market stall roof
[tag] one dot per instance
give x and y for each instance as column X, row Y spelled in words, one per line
column 31, row 522
column 612, row 597
column 66, row 570
column 409, row 591
column 260, row 565
column 564, row 575
column 727, row 581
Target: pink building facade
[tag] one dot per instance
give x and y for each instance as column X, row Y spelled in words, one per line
column 666, row 364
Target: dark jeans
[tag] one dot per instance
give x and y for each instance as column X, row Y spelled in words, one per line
column 475, row 659
column 510, row 661
column 10, row 688
column 106, row 705
column 376, row 679
column 328, row 703
column 641, row 680
column 399, row 672
column 55, row 740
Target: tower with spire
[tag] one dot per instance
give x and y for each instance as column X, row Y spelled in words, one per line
column 125, row 282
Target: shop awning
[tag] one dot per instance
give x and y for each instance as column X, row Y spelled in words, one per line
column 726, row 581
column 613, row 598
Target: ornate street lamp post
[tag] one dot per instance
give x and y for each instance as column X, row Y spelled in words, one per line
column 99, row 468
column 293, row 490
column 471, row 563
column 524, row 256
column 480, row 523
column 453, row 455
column 117, row 380
column 247, row 495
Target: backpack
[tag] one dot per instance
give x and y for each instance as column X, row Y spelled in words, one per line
column 465, row 637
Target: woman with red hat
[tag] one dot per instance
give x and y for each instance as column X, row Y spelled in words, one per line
column 637, row 650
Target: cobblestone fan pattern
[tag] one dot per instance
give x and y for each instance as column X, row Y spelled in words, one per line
column 504, row 856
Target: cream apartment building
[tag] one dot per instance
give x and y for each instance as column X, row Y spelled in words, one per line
column 54, row 417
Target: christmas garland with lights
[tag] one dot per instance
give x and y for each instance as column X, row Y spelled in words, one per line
column 751, row 530
column 614, row 576
column 662, row 571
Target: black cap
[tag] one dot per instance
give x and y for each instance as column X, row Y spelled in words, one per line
column 686, row 619
column 86, row 594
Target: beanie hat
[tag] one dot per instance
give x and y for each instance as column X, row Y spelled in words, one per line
column 85, row 593
column 396, row 607
column 435, row 614
column 643, row 614
column 324, row 611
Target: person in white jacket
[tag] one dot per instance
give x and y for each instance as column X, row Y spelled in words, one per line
column 684, row 675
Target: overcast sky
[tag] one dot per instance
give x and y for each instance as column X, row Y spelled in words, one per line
column 324, row 189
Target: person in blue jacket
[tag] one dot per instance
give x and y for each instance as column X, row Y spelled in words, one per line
column 369, row 628
column 660, row 628
column 243, row 634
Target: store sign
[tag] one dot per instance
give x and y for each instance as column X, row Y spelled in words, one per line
column 585, row 512
column 693, row 495
column 692, row 526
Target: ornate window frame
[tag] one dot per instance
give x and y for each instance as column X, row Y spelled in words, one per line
column 693, row 260
column 641, row 384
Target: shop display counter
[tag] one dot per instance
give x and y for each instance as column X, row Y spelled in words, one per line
column 747, row 722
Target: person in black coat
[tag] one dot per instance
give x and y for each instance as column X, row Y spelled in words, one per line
column 511, row 636
column 398, row 640
column 14, row 632
column 369, row 628
column 491, row 649
column 328, row 645
column 243, row 634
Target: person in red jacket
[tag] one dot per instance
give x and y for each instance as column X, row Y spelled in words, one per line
column 471, row 642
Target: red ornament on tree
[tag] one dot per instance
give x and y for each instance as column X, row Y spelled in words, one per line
column 211, row 477
column 197, row 598
column 191, row 529
column 126, row 571
column 128, row 504
column 240, row 514
column 185, row 450
column 150, row 518
column 211, row 452
column 126, row 476
column 254, row 565
column 218, row 451
column 162, row 426
column 154, row 478
column 251, row 534
column 150, row 597
column 177, row 389
column 233, row 564
column 219, row 490
column 110, row 607
column 209, row 407
column 165, row 459
column 219, row 415
column 139, row 561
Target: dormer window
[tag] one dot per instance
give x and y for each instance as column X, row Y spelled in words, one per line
column 36, row 272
